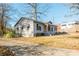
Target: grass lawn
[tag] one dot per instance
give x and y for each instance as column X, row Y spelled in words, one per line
column 58, row 41
column 61, row 41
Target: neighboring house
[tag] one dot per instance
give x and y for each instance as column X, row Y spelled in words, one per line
column 71, row 27
column 28, row 27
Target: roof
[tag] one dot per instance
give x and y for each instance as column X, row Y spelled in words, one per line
column 23, row 18
column 71, row 23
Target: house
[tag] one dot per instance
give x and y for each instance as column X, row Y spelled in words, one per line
column 28, row 28
column 70, row 27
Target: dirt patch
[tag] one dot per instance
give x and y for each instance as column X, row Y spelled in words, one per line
column 41, row 50
column 27, row 50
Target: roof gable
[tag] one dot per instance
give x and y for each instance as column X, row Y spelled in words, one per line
column 25, row 18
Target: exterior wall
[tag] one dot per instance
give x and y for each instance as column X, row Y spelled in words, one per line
column 35, row 28
column 24, row 32
column 29, row 32
column 50, row 29
column 18, row 31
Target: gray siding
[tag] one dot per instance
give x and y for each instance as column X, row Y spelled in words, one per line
column 25, row 32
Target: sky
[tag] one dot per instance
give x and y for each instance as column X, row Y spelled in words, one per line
column 54, row 13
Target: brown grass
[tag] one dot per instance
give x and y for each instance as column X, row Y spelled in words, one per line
column 62, row 41
column 59, row 41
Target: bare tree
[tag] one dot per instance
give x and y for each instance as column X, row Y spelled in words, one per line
column 74, row 9
column 36, row 11
column 4, row 8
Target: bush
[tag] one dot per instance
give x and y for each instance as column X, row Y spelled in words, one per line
column 9, row 34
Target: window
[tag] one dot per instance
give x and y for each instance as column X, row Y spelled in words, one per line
column 38, row 27
column 17, row 28
column 28, row 26
column 22, row 27
column 52, row 29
